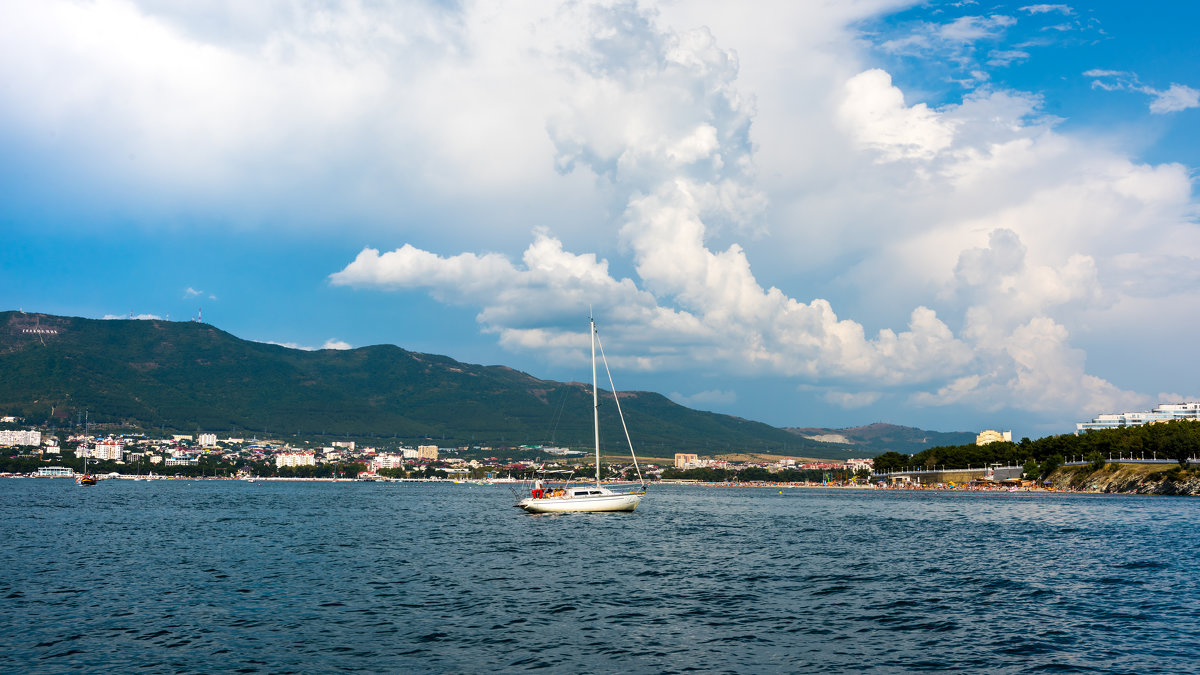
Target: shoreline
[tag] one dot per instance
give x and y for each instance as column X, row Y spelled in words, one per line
column 1111, row 479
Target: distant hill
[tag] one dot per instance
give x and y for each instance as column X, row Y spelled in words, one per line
column 191, row 377
column 876, row 439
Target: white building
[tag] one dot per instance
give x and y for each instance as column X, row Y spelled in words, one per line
column 208, row 440
column 856, row 464
column 408, row 453
column 11, row 437
column 388, row 461
column 113, row 450
column 302, row 458
column 181, row 460
column 1163, row 413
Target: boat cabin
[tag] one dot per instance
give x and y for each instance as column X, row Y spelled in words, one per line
column 587, row 491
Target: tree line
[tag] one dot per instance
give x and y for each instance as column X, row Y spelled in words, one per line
column 1176, row 440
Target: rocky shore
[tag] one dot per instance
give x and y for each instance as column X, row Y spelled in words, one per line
column 1142, row 479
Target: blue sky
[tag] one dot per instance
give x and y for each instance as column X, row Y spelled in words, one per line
column 951, row 215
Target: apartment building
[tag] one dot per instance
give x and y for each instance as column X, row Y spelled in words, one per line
column 1165, row 412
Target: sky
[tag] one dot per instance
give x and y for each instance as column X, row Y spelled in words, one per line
column 952, row 215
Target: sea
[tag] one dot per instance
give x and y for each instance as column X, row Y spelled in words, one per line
column 206, row 576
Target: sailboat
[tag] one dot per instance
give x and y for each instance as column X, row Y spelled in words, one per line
column 85, row 478
column 590, row 497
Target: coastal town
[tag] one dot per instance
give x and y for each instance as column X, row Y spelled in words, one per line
column 206, row 455
column 27, row 450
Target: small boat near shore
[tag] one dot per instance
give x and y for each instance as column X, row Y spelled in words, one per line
column 85, row 478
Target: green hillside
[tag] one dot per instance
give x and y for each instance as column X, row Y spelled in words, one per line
column 190, row 377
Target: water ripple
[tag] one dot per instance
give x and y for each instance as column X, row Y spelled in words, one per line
column 207, row 576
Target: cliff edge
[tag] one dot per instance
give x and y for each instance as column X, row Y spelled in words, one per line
column 1117, row 478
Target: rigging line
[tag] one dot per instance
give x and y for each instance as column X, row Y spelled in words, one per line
column 562, row 404
column 621, row 415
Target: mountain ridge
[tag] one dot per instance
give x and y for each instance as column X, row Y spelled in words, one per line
column 190, row 376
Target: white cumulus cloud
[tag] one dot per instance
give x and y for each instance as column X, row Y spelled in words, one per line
column 1047, row 9
column 983, row 209
column 750, row 194
column 1177, row 97
column 705, row 399
column 332, row 343
column 874, row 112
column 132, row 316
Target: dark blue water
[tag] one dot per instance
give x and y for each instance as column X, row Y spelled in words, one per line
column 210, row 576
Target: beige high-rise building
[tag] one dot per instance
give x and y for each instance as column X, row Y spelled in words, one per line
column 684, row 460
column 990, row 436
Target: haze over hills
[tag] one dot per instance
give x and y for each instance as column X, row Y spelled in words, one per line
column 877, row 438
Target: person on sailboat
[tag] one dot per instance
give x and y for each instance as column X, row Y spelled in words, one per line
column 538, row 491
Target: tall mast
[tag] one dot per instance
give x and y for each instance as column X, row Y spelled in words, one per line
column 595, row 400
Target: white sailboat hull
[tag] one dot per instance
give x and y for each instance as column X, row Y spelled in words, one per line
column 610, row 502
